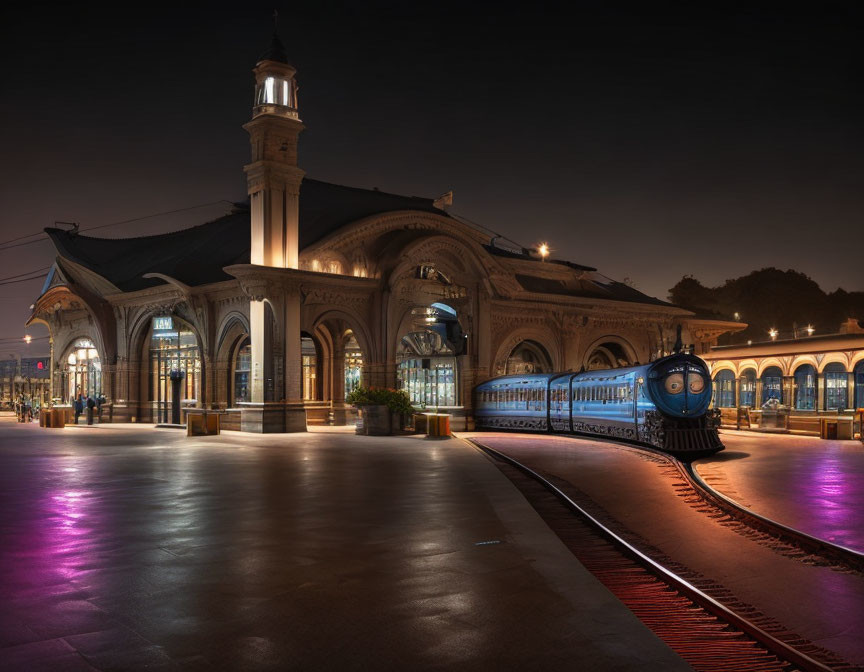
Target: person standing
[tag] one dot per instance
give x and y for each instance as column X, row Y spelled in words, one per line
column 91, row 404
column 78, row 406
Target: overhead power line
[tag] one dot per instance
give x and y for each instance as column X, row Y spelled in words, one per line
column 14, row 282
column 12, row 277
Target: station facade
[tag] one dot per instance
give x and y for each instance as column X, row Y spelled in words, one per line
column 275, row 311
column 813, row 377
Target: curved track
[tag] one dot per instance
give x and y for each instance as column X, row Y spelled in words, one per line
column 730, row 646
column 831, row 553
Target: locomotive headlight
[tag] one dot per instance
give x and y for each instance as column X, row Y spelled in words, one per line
column 696, row 383
column 675, row 383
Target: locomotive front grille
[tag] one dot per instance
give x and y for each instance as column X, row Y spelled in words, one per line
column 689, row 438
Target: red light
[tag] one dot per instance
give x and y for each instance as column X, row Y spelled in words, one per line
column 40, row 365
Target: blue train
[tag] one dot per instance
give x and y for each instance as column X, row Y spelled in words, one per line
column 663, row 404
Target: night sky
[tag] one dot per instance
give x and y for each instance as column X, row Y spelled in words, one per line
column 671, row 140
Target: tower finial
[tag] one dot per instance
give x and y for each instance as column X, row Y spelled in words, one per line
column 275, row 20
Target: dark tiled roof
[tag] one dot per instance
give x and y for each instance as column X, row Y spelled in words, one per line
column 275, row 51
column 525, row 255
column 196, row 256
column 612, row 290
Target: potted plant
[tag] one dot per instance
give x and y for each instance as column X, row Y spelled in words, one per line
column 382, row 410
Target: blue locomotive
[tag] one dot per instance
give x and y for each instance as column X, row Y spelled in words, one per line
column 663, row 404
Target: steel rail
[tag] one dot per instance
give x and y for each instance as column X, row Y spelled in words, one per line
column 776, row 646
column 835, row 552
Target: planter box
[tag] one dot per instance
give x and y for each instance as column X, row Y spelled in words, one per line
column 375, row 420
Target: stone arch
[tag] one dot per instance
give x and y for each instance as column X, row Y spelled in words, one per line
column 529, row 357
column 140, row 340
column 232, row 335
column 723, row 365
column 614, row 349
column 800, row 360
column 99, row 385
column 834, row 358
column 230, row 324
column 352, row 320
column 376, row 227
column 545, row 338
column 771, row 361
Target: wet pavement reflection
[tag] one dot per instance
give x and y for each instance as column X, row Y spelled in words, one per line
column 125, row 548
column 810, row 484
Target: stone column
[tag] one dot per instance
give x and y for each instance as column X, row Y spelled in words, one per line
column 788, row 391
column 820, row 391
column 757, row 401
column 295, row 413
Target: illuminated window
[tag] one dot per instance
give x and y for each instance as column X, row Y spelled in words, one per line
column 310, row 368
column 836, row 392
column 173, row 347
column 805, row 388
column 748, row 388
column 859, row 384
column 772, row 384
column 83, row 371
column 274, row 90
column 353, row 363
column 242, row 370
column 724, row 389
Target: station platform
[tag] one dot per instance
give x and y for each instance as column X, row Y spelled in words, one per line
column 640, row 493
column 806, row 483
column 128, row 547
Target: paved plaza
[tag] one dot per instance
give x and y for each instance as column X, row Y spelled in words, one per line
column 126, row 547
column 804, row 482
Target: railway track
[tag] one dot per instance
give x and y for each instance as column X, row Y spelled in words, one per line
column 816, row 550
column 697, row 619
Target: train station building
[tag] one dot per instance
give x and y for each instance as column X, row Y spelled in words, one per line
column 276, row 310
column 813, row 377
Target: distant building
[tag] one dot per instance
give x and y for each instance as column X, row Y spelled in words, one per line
column 814, row 376
column 29, row 376
column 278, row 309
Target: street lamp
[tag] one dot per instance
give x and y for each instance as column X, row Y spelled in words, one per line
column 773, row 334
column 543, row 250
column 27, row 339
column 810, row 329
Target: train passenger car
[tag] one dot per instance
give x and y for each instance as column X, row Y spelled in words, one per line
column 514, row 402
column 663, row 404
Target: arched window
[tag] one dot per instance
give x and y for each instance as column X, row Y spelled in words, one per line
column 529, row 357
column 427, row 368
column 82, row 370
column 772, row 384
column 609, row 355
column 242, row 370
column 859, row 384
column 836, row 391
column 173, row 347
column 724, row 389
column 805, row 388
column 353, row 363
column 309, row 355
column 748, row 388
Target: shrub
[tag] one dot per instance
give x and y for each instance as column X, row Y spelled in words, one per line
column 396, row 400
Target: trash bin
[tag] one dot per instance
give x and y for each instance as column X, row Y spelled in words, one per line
column 438, row 425
column 201, row 422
